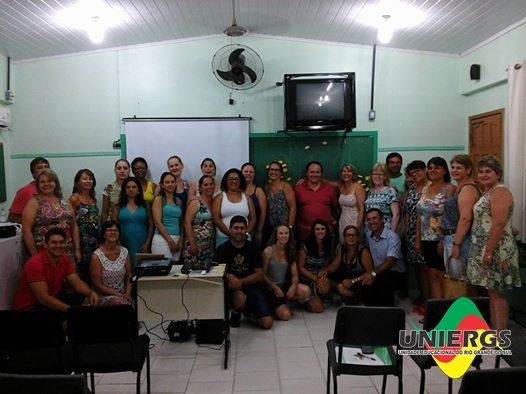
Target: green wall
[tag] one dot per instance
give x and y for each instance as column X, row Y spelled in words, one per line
column 69, row 107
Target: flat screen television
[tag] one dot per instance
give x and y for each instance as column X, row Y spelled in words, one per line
column 317, row 102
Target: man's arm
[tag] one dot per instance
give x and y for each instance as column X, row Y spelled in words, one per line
column 82, row 288
column 41, row 293
column 255, row 277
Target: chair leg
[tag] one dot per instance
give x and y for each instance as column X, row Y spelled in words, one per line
column 400, row 384
column 497, row 362
column 148, row 388
column 92, row 378
column 422, row 380
column 449, row 386
column 329, row 371
column 384, row 383
column 138, row 382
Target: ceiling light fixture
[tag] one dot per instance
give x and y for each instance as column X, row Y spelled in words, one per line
column 91, row 16
column 388, row 16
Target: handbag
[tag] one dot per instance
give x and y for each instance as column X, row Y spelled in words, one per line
column 453, row 287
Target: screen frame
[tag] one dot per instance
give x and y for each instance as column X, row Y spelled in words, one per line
column 291, row 119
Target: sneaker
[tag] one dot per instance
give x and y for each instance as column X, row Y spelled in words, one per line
column 235, row 319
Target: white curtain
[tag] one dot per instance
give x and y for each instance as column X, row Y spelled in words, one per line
column 515, row 144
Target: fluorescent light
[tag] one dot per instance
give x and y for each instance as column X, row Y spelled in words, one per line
column 402, row 15
column 92, row 16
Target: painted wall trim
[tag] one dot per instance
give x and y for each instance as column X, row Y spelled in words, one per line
column 64, row 154
column 421, row 148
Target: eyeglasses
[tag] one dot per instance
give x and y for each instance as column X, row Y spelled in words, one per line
column 236, row 179
column 378, row 174
column 112, row 230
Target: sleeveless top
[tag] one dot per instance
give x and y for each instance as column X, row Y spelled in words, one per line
column 113, row 271
column 183, row 196
column 88, row 224
column 278, row 210
column 315, row 264
column 148, row 192
column 277, row 270
column 49, row 216
column 255, row 200
column 451, row 213
column 171, row 218
column 230, row 209
column 113, row 191
column 430, row 210
column 355, row 267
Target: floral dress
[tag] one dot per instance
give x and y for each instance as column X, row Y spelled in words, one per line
column 203, row 229
column 88, row 225
column 430, row 210
column 349, row 215
column 113, row 276
column 49, row 216
column 494, row 276
column 278, row 210
column 382, row 200
column 411, row 200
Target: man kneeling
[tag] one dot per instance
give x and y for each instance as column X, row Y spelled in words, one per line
column 43, row 276
column 245, row 272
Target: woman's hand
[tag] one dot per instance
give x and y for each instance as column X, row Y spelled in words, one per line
column 144, row 247
column 192, row 249
column 322, row 283
column 455, row 251
column 277, row 291
column 418, row 246
column 291, row 292
column 78, row 255
column 173, row 245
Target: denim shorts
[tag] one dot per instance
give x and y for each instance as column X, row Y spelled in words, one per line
column 456, row 267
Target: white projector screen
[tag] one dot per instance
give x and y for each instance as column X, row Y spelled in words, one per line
column 192, row 139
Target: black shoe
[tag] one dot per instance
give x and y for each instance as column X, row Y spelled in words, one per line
column 235, row 319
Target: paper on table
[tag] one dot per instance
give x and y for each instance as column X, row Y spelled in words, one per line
column 350, row 356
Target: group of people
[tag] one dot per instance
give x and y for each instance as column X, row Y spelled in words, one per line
column 280, row 242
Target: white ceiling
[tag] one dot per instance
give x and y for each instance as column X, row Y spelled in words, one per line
column 28, row 29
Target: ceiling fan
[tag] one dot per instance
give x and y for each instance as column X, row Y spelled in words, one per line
column 234, row 30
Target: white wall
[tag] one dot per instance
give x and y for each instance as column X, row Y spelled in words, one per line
column 71, row 106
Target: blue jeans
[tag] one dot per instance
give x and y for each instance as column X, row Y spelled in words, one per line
column 456, row 268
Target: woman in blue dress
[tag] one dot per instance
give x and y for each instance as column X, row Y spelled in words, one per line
column 134, row 219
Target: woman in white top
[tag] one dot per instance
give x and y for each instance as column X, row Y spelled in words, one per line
column 352, row 199
column 232, row 202
column 110, row 268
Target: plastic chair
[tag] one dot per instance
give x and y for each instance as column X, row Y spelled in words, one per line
column 489, row 381
column 358, row 326
column 435, row 310
column 105, row 339
column 43, row 384
column 33, row 342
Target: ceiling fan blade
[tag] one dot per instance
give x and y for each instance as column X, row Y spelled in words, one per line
column 226, row 75
column 251, row 74
column 236, row 56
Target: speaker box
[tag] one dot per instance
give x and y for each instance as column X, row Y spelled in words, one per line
column 474, row 72
column 210, row 331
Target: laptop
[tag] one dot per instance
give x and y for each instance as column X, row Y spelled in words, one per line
column 150, row 264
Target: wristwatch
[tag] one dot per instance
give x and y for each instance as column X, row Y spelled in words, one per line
column 373, row 274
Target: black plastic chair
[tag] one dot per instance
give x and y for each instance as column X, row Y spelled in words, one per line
column 105, row 339
column 358, row 326
column 43, row 384
column 517, row 358
column 490, row 381
column 33, row 342
column 435, row 310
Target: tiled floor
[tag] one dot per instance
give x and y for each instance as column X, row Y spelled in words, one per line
column 289, row 359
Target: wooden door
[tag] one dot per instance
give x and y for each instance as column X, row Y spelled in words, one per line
column 486, row 135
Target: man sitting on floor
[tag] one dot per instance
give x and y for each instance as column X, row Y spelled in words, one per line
column 43, row 276
column 244, row 272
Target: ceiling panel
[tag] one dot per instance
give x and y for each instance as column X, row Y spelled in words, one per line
column 28, row 29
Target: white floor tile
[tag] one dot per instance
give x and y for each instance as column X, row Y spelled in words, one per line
column 246, row 381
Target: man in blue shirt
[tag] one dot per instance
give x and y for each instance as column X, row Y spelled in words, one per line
column 388, row 263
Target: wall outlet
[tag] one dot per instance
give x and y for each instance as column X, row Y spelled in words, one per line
column 372, row 114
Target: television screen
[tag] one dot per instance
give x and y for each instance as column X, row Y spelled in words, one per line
column 320, row 101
